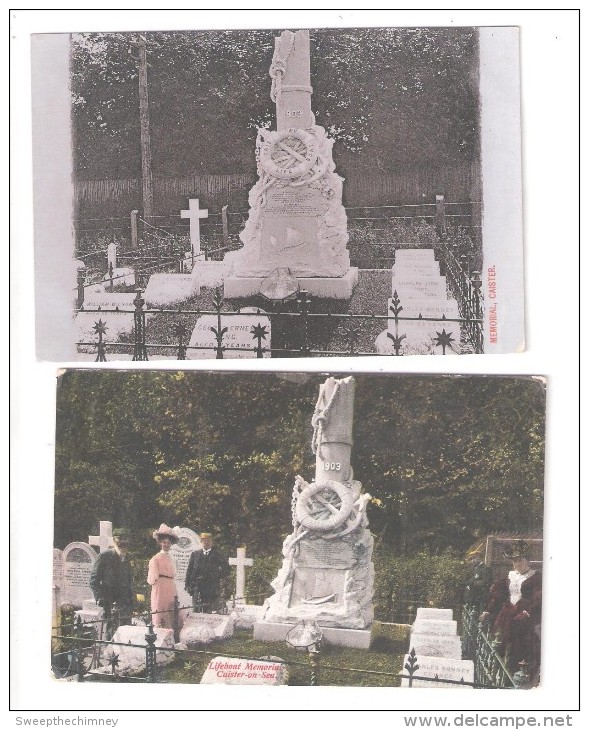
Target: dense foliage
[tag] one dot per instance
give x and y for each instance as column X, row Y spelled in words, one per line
column 446, row 459
column 389, row 97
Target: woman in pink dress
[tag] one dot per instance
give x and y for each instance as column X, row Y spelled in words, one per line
column 160, row 577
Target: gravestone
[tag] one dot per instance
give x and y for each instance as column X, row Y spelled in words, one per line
column 78, row 561
column 228, row 670
column 92, row 613
column 435, row 614
column 117, row 322
column 131, row 659
column 431, row 667
column 209, row 274
column 440, row 645
column 327, row 572
column 240, row 562
column 194, row 214
column 57, row 569
column 239, row 340
column 57, row 589
column 167, row 290
column 296, row 218
column 433, row 626
column 188, row 542
column 111, row 257
column 433, row 634
column 202, row 628
column 422, row 293
column 245, row 615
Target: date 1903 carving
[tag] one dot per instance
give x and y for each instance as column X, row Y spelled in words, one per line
column 332, row 466
column 294, row 113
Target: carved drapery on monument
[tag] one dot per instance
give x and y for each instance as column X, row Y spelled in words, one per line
column 296, row 218
column 327, row 572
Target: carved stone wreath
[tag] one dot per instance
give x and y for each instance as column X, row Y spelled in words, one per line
column 324, row 507
column 289, row 154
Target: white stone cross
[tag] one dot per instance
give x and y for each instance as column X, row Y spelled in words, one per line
column 241, row 562
column 111, row 257
column 104, row 541
column 194, row 213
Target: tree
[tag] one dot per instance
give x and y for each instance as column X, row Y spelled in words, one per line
column 389, row 97
column 446, row 459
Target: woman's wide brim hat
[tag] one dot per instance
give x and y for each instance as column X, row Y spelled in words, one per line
column 165, row 531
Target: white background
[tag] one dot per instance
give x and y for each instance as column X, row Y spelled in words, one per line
column 549, row 68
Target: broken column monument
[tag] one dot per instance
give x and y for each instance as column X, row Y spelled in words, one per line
column 327, row 572
column 297, row 225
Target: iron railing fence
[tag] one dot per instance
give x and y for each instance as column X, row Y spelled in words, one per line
column 293, row 333
column 87, row 654
column 483, row 649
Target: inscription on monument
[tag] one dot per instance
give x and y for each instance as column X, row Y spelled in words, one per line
column 294, row 201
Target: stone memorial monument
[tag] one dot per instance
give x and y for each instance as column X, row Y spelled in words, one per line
column 78, row 561
column 296, row 220
column 188, row 542
column 327, row 572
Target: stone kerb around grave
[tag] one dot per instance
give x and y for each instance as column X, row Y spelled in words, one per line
column 78, row 562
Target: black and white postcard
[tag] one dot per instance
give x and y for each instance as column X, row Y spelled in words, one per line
column 277, row 193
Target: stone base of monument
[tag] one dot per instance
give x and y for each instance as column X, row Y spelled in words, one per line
column 351, row 638
column 340, row 287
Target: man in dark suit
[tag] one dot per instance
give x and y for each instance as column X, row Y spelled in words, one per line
column 112, row 584
column 203, row 577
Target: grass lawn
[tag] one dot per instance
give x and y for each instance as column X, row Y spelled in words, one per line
column 335, row 663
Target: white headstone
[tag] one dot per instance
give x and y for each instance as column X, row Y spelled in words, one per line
column 188, row 542
column 245, row 615
column 194, row 214
column 104, row 540
column 439, row 645
column 433, row 626
column 131, row 659
column 201, row 628
column 165, row 290
column 239, row 340
column 78, row 561
column 57, row 569
column 226, row 670
column 209, row 274
column 431, row 667
column 111, row 257
column 436, row 614
column 240, row 562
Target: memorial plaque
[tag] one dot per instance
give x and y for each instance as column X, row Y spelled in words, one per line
column 286, row 200
column 318, row 587
column 78, row 561
column 319, row 553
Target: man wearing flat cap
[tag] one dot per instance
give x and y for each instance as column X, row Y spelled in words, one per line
column 203, row 577
column 112, row 584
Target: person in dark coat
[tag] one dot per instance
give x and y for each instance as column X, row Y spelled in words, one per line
column 206, row 568
column 111, row 582
column 517, row 603
column 479, row 580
